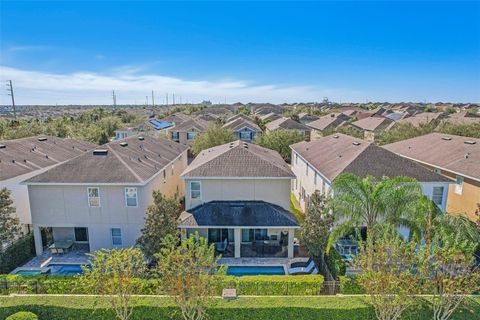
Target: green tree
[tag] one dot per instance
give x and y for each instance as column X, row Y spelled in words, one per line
column 213, row 136
column 319, row 220
column 280, row 141
column 9, row 224
column 403, row 131
column 115, row 274
column 189, row 272
column 387, row 274
column 161, row 220
column 244, row 110
column 365, row 201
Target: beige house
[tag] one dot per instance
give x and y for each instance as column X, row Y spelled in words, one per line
column 186, row 132
column 371, row 126
column 316, row 164
column 99, row 199
column 288, row 124
column 24, row 158
column 455, row 157
column 237, row 195
column 243, row 127
column 326, row 124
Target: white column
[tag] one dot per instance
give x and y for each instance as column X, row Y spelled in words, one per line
column 237, row 241
column 290, row 242
column 37, row 236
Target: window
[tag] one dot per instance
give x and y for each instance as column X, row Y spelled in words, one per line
column 175, row 135
column 220, row 235
column 296, row 158
column 306, row 169
column 131, row 197
column 81, row 234
column 191, row 135
column 261, row 234
column 245, row 135
column 93, row 197
column 195, row 190
column 247, row 235
column 116, row 236
column 173, row 169
column 315, row 178
column 459, row 185
column 164, row 176
column 437, row 196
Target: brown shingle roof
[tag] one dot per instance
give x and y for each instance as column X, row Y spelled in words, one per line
column 373, row 123
column 286, row 123
column 424, row 117
column 339, row 153
column 135, row 162
column 21, row 156
column 447, row 152
column 332, row 120
column 192, row 124
column 240, row 123
column 238, row 159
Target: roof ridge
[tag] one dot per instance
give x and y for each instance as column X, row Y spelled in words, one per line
column 262, row 158
column 125, row 164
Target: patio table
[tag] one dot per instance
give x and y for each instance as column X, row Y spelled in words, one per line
column 64, row 246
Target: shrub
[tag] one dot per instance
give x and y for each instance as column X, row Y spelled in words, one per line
column 17, row 254
column 350, row 285
column 22, row 315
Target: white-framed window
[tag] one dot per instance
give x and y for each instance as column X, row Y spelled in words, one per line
column 131, row 197
column 93, row 196
column 116, row 236
column 164, row 175
column 306, row 169
column 459, row 185
column 315, row 178
column 191, row 135
column 245, row 135
column 175, row 136
column 296, row 158
column 195, row 190
column 437, row 195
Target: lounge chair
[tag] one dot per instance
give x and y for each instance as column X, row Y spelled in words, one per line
column 222, row 246
column 303, row 268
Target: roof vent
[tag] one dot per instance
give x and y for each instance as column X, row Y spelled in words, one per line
column 466, row 142
column 447, row 138
column 335, row 136
column 141, row 138
column 42, row 139
column 356, row 143
column 123, row 144
column 100, row 152
column 2, row 146
column 467, row 155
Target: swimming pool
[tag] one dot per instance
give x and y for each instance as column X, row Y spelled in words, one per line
column 28, row 272
column 254, row 270
column 65, row 269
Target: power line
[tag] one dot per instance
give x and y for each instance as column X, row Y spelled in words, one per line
column 10, row 85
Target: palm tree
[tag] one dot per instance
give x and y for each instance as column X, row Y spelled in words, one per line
column 366, row 201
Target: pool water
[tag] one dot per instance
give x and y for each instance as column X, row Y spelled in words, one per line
column 65, row 269
column 254, row 270
column 28, row 272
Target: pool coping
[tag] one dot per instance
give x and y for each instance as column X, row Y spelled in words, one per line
column 42, row 270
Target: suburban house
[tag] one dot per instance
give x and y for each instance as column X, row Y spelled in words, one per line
column 238, row 196
column 270, row 117
column 152, row 127
column 186, row 131
column 244, row 128
column 372, row 125
column 422, row 118
column 306, row 118
column 24, row 158
column 317, row 163
column 99, row 199
column 326, row 124
column 455, row 157
column 288, row 124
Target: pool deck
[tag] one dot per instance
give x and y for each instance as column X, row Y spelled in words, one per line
column 72, row 257
column 258, row 262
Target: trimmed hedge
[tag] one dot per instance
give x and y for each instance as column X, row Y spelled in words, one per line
column 18, row 253
column 22, row 315
column 350, row 285
column 247, row 285
column 252, row 308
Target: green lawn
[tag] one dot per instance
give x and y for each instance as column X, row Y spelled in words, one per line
column 278, row 308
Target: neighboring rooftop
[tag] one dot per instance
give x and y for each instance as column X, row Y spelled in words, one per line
column 286, row 123
column 195, row 124
column 329, row 121
column 452, row 153
column 176, row 118
column 240, row 123
column 373, row 123
column 270, row 116
column 160, row 124
column 238, row 214
column 421, row 118
column 238, row 159
column 339, row 153
column 132, row 160
column 21, row 156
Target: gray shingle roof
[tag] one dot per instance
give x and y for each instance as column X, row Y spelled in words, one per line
column 192, row 124
column 135, row 162
column 373, row 123
column 332, row 156
column 286, row 123
column 238, row 214
column 240, row 123
column 238, row 159
column 332, row 120
column 22, row 156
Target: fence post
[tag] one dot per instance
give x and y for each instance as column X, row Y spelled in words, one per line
column 257, row 288
column 287, row 289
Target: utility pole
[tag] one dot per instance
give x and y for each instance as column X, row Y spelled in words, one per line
column 166, row 95
column 10, row 85
column 114, row 97
column 153, row 99
column 173, row 98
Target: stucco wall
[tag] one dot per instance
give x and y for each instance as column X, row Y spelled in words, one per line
column 275, row 191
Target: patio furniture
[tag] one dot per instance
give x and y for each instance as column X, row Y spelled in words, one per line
column 222, row 246
column 60, row 247
column 303, row 268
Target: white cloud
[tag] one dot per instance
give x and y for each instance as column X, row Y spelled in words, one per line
column 131, row 86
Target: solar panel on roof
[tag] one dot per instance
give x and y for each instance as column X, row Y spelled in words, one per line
column 159, row 125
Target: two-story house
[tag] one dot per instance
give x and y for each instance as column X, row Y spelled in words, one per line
column 186, row 132
column 24, row 158
column 455, row 157
column 237, row 195
column 243, row 127
column 100, row 198
column 316, row 164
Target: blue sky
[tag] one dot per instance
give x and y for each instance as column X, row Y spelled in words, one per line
column 255, row 51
